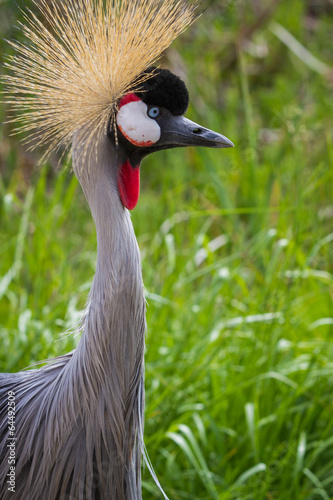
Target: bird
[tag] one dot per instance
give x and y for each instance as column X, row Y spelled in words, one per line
column 85, row 84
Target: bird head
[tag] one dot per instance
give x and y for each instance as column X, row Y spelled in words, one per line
column 151, row 119
column 83, row 78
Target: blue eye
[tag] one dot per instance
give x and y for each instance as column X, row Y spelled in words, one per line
column 154, row 112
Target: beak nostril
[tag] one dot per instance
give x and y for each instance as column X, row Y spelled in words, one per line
column 197, row 131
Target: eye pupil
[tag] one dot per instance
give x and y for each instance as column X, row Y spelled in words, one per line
column 154, row 112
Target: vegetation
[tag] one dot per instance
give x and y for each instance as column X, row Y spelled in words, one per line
column 237, row 260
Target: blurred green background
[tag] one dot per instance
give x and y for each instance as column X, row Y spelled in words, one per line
column 237, row 259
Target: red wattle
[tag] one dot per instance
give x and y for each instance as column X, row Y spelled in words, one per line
column 129, row 185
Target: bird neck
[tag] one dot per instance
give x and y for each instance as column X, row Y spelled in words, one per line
column 100, row 389
column 112, row 344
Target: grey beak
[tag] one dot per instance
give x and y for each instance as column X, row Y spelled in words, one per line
column 178, row 131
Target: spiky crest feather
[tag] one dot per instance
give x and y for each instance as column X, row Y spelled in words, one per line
column 68, row 78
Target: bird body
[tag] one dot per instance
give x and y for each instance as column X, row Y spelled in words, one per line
column 89, row 403
column 79, row 418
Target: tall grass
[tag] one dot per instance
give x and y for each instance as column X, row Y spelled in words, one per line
column 237, row 260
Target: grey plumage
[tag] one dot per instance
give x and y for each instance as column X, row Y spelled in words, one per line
column 80, row 434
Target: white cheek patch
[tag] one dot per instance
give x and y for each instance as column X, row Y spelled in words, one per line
column 136, row 126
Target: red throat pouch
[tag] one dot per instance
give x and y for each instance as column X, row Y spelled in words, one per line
column 129, row 185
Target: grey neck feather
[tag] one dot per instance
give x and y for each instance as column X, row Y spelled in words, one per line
column 115, row 322
column 111, row 349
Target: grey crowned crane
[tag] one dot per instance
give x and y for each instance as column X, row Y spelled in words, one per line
column 85, row 82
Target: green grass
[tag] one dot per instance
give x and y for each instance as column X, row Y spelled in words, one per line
column 239, row 361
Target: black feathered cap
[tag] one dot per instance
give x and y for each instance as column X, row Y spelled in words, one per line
column 164, row 89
